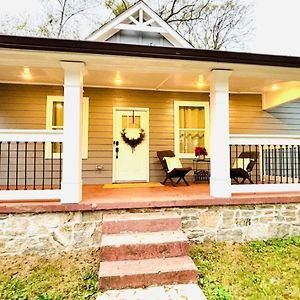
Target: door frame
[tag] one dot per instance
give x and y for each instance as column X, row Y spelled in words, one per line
column 143, row 109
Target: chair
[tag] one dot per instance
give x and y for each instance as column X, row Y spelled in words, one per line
column 244, row 173
column 175, row 173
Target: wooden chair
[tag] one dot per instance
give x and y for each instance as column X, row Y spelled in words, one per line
column 175, row 173
column 244, row 173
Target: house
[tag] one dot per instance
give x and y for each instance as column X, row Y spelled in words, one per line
column 64, row 105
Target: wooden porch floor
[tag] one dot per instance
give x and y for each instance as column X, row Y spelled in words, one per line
column 95, row 197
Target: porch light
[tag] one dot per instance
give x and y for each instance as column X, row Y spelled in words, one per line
column 200, row 82
column 118, row 80
column 26, row 73
column 275, row 87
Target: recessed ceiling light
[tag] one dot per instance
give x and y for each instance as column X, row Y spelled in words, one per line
column 275, row 87
column 200, row 82
column 26, row 73
column 118, row 80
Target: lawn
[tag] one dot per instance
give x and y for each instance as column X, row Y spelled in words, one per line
column 57, row 277
column 255, row 270
column 258, row 270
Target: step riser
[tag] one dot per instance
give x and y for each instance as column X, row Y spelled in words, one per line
column 136, row 252
column 115, row 227
column 137, row 281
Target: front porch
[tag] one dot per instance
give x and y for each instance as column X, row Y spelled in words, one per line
column 97, row 198
column 68, row 153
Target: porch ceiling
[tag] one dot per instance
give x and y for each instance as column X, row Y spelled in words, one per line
column 141, row 73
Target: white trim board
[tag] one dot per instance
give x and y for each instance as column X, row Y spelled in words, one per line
column 30, row 195
column 265, row 188
column 264, row 139
column 16, row 135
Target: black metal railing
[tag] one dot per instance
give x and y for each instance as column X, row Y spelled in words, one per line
column 30, row 165
column 265, row 164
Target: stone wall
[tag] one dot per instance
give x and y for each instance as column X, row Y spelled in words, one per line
column 46, row 233
column 241, row 223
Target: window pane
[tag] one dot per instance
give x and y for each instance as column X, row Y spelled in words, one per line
column 191, row 117
column 189, row 139
column 58, row 114
column 130, row 122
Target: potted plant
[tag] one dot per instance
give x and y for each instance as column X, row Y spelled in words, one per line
column 200, row 152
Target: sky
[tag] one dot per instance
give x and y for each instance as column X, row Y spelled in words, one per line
column 276, row 24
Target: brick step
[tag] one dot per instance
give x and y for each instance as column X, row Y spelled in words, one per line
column 141, row 222
column 140, row 273
column 143, row 245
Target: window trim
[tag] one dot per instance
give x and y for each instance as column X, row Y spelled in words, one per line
column 85, row 125
column 178, row 104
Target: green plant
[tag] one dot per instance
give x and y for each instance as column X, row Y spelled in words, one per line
column 13, row 289
column 50, row 297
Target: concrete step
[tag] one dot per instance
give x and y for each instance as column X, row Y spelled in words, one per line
column 166, row 292
column 140, row 273
column 143, row 245
column 141, row 222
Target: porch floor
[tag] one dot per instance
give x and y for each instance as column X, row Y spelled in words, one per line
column 95, row 197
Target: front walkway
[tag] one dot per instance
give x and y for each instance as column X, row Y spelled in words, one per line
column 168, row 292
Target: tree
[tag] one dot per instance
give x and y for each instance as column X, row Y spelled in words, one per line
column 14, row 24
column 208, row 24
column 64, row 17
column 223, row 26
column 117, row 8
column 57, row 18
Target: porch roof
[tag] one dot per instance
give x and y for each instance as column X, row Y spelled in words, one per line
column 146, row 67
column 78, row 46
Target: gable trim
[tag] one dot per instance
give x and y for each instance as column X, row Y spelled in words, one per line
column 115, row 25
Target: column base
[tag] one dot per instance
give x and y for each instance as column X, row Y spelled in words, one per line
column 71, row 193
column 220, row 187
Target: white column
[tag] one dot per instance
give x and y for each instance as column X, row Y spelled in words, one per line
column 220, row 184
column 72, row 141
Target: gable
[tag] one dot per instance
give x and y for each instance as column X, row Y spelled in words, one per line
column 139, row 25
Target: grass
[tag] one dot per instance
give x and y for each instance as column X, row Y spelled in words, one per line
column 57, row 277
column 253, row 271
column 259, row 270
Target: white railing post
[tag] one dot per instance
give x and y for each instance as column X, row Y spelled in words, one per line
column 220, row 184
column 72, row 146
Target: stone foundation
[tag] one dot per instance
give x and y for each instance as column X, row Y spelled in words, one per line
column 46, row 233
column 241, row 223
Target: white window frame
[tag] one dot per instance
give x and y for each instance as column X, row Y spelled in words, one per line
column 85, row 125
column 177, row 105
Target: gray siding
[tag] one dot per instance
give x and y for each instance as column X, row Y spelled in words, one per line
column 24, row 107
column 247, row 116
column 139, row 38
column 160, row 106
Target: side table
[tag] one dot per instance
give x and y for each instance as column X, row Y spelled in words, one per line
column 201, row 168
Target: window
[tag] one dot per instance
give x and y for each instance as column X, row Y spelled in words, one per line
column 191, row 127
column 55, row 121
